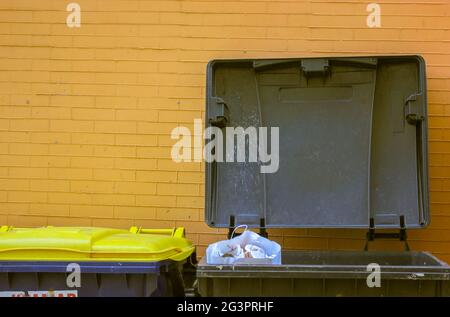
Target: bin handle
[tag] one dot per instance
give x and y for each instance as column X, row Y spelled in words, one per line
column 234, row 231
column 174, row 232
column 5, row 228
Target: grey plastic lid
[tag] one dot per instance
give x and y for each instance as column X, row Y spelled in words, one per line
column 352, row 142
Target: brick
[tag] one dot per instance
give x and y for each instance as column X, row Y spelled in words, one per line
column 136, row 66
column 14, row 208
column 3, row 196
column 180, row 92
column 207, row 239
column 69, row 222
column 156, row 201
column 137, row 115
column 49, row 185
column 169, row 165
column 190, row 202
column 115, row 151
column 117, row 102
column 4, row 148
column 14, row 137
column 71, row 126
column 27, row 221
column 191, row 67
column 52, row 88
column 168, row 142
column 73, row 101
column 44, row 137
column 3, row 171
column 14, row 184
column 155, row 128
column 178, row 189
column 69, row 198
column 114, row 174
column 430, row 235
column 4, row 124
column 115, row 127
column 15, row 112
column 305, row 243
column 112, row 223
column 91, row 211
column 51, row 113
column 28, row 149
column 73, row 77
column 327, row 233
column 70, row 173
column 198, row 227
column 135, row 212
column 156, row 176
column 135, row 164
column 177, row 214
column 28, row 172
column 137, row 91
column 71, row 149
column 135, row 188
column 27, row 197
column 152, row 224
column 113, row 199
column 191, row 177
column 153, row 152
column 29, row 125
column 178, row 116
column 135, row 139
column 49, row 209
column 13, row 160
column 48, row 161
column 91, row 162
column 93, row 66
column 82, row 186
column 93, row 138
column 346, row 244
column 92, row 114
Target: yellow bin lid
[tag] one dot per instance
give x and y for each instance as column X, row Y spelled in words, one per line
column 93, row 244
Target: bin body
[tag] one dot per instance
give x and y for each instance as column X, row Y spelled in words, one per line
column 92, row 262
column 330, row 273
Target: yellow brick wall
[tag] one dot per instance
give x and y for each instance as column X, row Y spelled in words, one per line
column 86, row 113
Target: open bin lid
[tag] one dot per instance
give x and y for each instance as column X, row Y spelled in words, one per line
column 352, row 142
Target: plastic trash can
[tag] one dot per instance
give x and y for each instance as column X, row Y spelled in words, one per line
column 42, row 262
column 351, row 153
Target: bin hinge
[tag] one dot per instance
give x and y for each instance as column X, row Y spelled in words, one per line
column 401, row 235
column 315, row 67
column 232, row 226
column 413, row 111
column 5, row 228
column 219, row 114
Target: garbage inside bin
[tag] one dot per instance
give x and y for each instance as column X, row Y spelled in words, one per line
column 42, row 262
column 352, row 153
column 249, row 247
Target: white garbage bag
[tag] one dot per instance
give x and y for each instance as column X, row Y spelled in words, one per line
column 248, row 248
